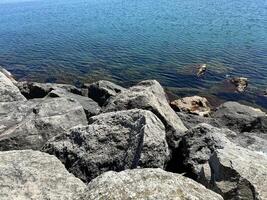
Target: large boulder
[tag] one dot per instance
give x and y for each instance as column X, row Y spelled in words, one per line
column 8, row 91
column 29, row 124
column 28, row 175
column 101, row 91
column 33, row 90
column 195, row 105
column 149, row 95
column 90, row 107
column 143, row 184
column 113, row 141
column 241, row 118
column 228, row 169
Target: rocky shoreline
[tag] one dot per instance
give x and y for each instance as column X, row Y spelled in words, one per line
column 103, row 141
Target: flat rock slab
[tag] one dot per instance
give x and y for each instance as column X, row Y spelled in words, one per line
column 29, row 124
column 113, row 141
column 144, row 184
column 149, row 95
column 27, row 175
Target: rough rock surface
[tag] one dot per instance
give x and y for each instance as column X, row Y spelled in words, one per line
column 90, row 107
column 29, row 124
column 144, row 184
column 191, row 120
column 241, row 118
column 194, row 105
column 149, row 95
column 113, row 141
column 241, row 83
column 228, row 169
column 28, row 175
column 8, row 91
column 101, row 91
column 33, row 90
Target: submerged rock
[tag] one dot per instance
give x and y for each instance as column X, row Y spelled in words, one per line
column 240, row 83
column 33, row 90
column 141, row 184
column 228, row 169
column 29, row 124
column 31, row 175
column 8, row 91
column 202, row 70
column 113, row 141
column 194, row 105
column 149, row 95
column 101, row 91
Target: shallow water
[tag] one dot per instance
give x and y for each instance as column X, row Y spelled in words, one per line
column 126, row 41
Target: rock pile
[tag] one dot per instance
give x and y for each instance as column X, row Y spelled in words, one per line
column 103, row 141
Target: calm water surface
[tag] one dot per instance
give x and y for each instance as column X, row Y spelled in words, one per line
column 126, row 41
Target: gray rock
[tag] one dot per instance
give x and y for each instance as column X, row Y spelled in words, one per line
column 228, row 169
column 28, row 175
column 144, row 184
column 149, row 95
column 191, row 120
column 8, row 91
column 241, row 118
column 101, row 91
column 113, row 141
column 90, row 107
column 33, row 90
column 29, row 124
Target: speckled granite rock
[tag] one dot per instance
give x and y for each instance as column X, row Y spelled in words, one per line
column 231, row 170
column 144, row 184
column 113, row 141
column 149, row 95
column 29, row 124
column 32, row 175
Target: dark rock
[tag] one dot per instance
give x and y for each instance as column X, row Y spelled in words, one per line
column 33, row 90
column 90, row 107
column 113, row 141
column 228, row 169
column 191, row 120
column 29, row 124
column 101, row 91
column 31, row 175
column 8, row 91
column 154, row 184
column 149, row 95
column 241, row 118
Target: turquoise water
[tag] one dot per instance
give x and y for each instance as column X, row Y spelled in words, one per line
column 126, row 41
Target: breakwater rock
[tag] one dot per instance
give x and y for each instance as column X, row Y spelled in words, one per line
column 103, row 141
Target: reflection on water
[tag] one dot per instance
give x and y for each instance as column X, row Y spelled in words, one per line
column 127, row 41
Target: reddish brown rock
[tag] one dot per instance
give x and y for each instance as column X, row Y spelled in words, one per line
column 194, row 105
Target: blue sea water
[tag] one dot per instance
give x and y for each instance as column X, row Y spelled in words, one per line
column 125, row 41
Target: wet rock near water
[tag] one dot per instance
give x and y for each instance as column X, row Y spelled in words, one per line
column 101, row 91
column 139, row 184
column 32, row 175
column 194, row 105
column 113, row 141
column 241, row 83
column 33, row 90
